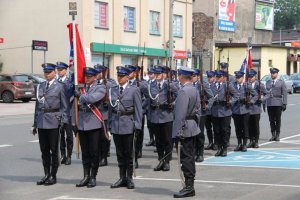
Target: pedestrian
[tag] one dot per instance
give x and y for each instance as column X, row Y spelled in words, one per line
column 125, row 120
column 276, row 101
column 51, row 112
column 89, row 126
column 185, row 129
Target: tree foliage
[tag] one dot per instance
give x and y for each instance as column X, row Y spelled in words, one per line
column 287, row 14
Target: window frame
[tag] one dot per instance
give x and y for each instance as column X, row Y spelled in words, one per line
column 99, row 10
column 151, row 32
column 134, row 19
column 175, row 25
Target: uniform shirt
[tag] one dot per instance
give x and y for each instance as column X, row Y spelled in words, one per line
column 276, row 93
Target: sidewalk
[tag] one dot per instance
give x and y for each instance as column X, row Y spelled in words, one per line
column 16, row 108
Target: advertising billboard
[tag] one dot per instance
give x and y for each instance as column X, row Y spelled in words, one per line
column 226, row 20
column 264, row 17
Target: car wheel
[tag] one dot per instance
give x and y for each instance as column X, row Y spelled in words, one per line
column 7, row 97
column 292, row 90
column 26, row 100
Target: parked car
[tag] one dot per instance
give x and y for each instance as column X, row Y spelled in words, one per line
column 35, row 79
column 285, row 78
column 15, row 87
column 296, row 81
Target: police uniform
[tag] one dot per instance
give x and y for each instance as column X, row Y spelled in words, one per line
column 276, row 101
column 162, row 116
column 241, row 110
column 51, row 110
column 185, row 128
column 66, row 135
column 125, row 110
column 221, row 113
column 89, row 128
column 255, row 110
column 206, row 99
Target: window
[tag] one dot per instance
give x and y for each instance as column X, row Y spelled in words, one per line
column 101, row 15
column 129, row 60
column 177, row 25
column 129, row 19
column 154, row 23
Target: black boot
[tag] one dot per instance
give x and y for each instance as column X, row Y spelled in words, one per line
column 160, row 166
column 199, row 158
column 277, row 138
column 122, row 182
column 92, row 181
column 52, row 179
column 63, row 159
column 255, row 145
column 166, row 166
column 251, row 144
column 86, row 178
column 244, row 146
column 239, row 146
column 45, row 178
column 215, row 147
column 219, row 152
column 136, row 164
column 150, row 143
column 224, row 151
column 209, row 146
column 187, row 191
column 68, row 160
column 103, row 162
column 273, row 136
column 130, row 184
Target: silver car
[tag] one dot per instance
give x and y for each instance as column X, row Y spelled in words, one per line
column 286, row 78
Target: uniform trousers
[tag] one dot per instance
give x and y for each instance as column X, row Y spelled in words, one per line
column 66, row 139
column 150, row 129
column 209, row 130
column 254, row 129
column 200, row 138
column 140, row 139
column 163, row 137
column 104, row 143
column 221, row 129
column 241, row 123
column 187, row 157
column 274, row 113
column 89, row 142
column 48, row 139
column 124, row 145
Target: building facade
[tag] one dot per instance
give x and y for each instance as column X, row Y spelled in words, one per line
column 120, row 31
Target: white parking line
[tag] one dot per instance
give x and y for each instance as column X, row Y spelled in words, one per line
column 34, row 141
column 6, row 145
column 77, row 198
column 222, row 182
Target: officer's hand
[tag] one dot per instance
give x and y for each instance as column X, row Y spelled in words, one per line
column 283, row 107
column 180, row 138
column 264, row 107
column 138, row 131
column 33, row 130
column 75, row 129
column 77, row 93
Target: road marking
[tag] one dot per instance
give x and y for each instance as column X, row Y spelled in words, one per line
column 223, row 182
column 6, row 145
column 286, row 138
column 34, row 141
column 77, row 198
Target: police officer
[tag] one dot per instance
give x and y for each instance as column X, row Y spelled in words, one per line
column 224, row 97
column 241, row 110
column 66, row 136
column 224, row 67
column 212, row 143
column 185, row 129
column 206, row 101
column 89, row 126
column 125, row 118
column 276, row 101
column 51, row 110
column 255, row 109
column 162, row 93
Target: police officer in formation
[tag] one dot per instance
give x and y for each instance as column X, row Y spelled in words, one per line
column 162, row 93
column 212, row 142
column 125, row 120
column 224, row 97
column 206, row 101
column 276, row 101
column 66, row 135
column 255, row 109
column 51, row 111
column 241, row 109
column 89, row 126
column 186, row 128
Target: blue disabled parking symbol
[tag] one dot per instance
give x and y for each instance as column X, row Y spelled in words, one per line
column 288, row 159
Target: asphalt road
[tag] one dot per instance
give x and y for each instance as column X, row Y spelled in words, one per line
column 270, row 172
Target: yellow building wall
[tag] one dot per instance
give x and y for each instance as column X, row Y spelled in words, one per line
column 278, row 57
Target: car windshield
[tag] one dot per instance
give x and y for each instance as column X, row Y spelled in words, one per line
column 40, row 78
column 20, row 78
column 266, row 78
column 295, row 77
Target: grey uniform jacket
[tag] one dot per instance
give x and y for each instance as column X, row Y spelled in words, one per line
column 256, row 107
column 125, row 111
column 143, row 84
column 219, row 108
column 159, row 113
column 240, row 107
column 208, row 96
column 187, row 105
column 53, row 98
column 103, row 106
column 87, row 120
column 276, row 94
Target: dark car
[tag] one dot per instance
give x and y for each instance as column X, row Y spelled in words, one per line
column 296, row 81
column 15, row 86
column 35, row 79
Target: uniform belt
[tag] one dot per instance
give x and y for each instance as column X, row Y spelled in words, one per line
column 119, row 113
column 222, row 103
column 49, row 110
column 85, row 109
column 191, row 118
column 163, row 107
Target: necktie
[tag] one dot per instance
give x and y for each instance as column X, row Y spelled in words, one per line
column 87, row 89
column 47, row 85
column 218, row 85
column 273, row 83
column 121, row 90
column 240, row 85
column 194, row 84
column 159, row 86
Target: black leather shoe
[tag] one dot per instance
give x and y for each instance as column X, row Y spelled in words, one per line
column 50, row 181
column 199, row 159
column 63, row 160
column 139, row 154
column 273, row 137
column 277, row 138
column 255, row 145
column 219, row 152
column 43, row 180
column 83, row 182
column 244, row 148
column 238, row 147
column 251, row 144
column 160, row 166
column 166, row 167
column 136, row 164
column 209, row 146
column 92, row 183
column 185, row 192
column 68, row 161
column 122, row 182
column 130, row 184
column 215, row 147
column 224, row 152
column 103, row 162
